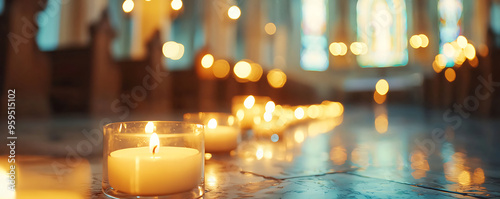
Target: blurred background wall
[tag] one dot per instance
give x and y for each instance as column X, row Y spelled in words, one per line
column 107, row 58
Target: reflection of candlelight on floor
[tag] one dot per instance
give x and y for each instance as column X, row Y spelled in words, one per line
column 456, row 171
column 45, row 177
column 338, row 155
column 419, row 164
column 478, row 177
column 299, row 136
column 464, row 178
column 381, row 120
column 360, row 156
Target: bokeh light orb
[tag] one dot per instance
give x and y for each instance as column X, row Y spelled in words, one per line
column 128, row 6
column 242, row 69
column 382, row 87
column 234, row 12
column 207, row 61
column 270, row 28
column 276, row 78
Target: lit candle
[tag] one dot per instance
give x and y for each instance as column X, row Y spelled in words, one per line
column 220, row 138
column 222, row 133
column 248, row 109
column 154, row 170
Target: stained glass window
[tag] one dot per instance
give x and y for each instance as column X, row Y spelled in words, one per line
column 450, row 15
column 381, row 28
column 314, row 50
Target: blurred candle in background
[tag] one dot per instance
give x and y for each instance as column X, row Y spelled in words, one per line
column 249, row 109
column 222, row 133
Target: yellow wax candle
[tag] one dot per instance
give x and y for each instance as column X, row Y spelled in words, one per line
column 170, row 170
column 221, row 138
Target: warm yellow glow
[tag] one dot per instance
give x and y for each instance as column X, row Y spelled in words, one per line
column 338, row 155
column 268, row 154
column 149, row 127
column 256, row 72
column 128, row 6
column 464, row 178
column 230, row 120
column 381, row 123
column 299, row 136
column 249, row 102
column 220, row 68
column 154, row 143
column 207, row 61
column 299, row 113
column 4, row 184
column 208, row 156
column 437, row 68
column 334, row 48
column 459, row 57
column 313, row 111
column 176, row 4
column 212, row 123
column 425, row 40
column 382, row 87
column 180, row 52
column 240, row 114
column 415, row 41
column 483, row 50
column 276, row 78
column 379, row 99
column 441, row 61
column 173, row 50
column 270, row 106
column 242, row 69
column 270, row 28
column 256, row 120
column 461, row 41
column 450, row 75
column 338, row 48
column 470, row 51
column 478, row 177
column 419, row 164
column 448, row 50
column 474, row 62
column 234, row 12
column 343, row 48
column 358, row 48
column 170, row 49
column 211, row 179
column 259, row 153
column 268, row 116
column 335, row 109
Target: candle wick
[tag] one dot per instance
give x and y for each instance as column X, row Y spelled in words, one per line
column 154, row 149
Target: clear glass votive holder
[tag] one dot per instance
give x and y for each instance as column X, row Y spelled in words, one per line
column 155, row 159
column 222, row 132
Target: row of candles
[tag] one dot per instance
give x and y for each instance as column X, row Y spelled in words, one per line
column 166, row 158
column 177, row 166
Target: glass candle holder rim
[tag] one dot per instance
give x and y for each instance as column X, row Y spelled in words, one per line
column 191, row 124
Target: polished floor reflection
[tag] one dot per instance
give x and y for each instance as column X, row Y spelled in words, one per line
column 408, row 153
column 393, row 151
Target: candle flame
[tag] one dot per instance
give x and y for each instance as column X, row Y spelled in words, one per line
column 154, row 143
column 249, row 102
column 149, row 127
column 212, row 123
